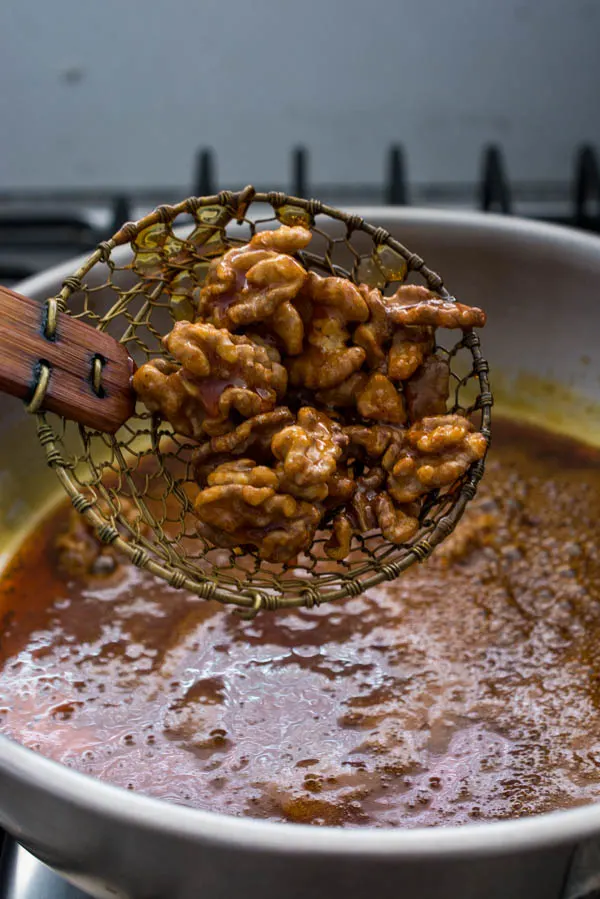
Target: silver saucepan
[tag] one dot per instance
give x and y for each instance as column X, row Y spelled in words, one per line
column 539, row 285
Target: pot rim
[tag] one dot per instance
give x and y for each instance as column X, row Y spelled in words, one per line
column 477, row 226
column 483, row 839
column 115, row 804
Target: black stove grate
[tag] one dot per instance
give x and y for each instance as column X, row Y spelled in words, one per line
column 39, row 228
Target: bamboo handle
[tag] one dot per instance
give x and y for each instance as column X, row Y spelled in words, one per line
column 58, row 363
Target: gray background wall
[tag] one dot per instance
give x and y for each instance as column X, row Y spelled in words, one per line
column 121, row 92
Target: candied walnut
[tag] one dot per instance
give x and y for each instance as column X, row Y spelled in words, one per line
column 287, row 324
column 320, row 369
column 253, row 437
column 438, row 433
column 362, row 508
column 344, row 394
column 438, row 451
column 341, row 487
column 205, row 465
column 328, row 360
column 426, row 392
column 247, row 284
column 373, row 395
column 409, row 348
column 371, row 508
column 245, row 472
column 80, row 552
column 381, row 401
column 308, row 452
column 342, row 532
column 374, row 334
column 284, row 239
column 409, row 345
column 412, row 305
column 241, row 507
column 373, row 442
column 219, row 372
column 161, row 387
column 337, row 293
column 205, row 351
column 396, row 524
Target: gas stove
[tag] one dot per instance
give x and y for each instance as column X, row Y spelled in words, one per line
column 39, row 229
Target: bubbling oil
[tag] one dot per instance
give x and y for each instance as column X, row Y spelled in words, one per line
column 469, row 689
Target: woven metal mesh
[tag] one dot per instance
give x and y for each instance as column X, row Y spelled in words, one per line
column 145, row 466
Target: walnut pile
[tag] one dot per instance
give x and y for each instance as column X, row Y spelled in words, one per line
column 316, row 404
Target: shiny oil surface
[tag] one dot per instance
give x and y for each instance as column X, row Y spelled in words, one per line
column 469, row 689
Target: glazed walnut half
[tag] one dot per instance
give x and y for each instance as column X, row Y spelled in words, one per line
column 242, row 506
column 315, row 404
column 436, row 453
column 218, row 373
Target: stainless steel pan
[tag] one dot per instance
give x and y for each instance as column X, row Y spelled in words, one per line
column 540, row 287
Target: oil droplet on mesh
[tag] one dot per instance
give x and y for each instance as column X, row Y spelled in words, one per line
column 392, row 265
column 213, row 215
column 369, row 273
column 148, row 265
column 176, row 251
column 182, row 308
column 151, row 238
column 181, row 302
column 199, row 271
column 294, row 215
column 209, row 243
column 182, row 284
column 209, row 238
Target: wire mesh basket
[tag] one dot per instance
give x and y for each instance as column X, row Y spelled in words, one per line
column 137, row 487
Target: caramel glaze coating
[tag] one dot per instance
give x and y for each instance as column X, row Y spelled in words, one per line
column 436, row 452
column 219, row 372
column 308, row 454
column 242, row 506
column 467, row 690
column 248, row 284
column 279, row 363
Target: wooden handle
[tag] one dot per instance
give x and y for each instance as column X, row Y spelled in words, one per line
column 58, row 363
